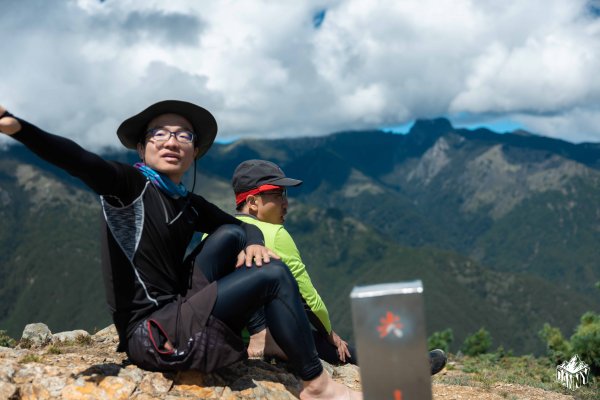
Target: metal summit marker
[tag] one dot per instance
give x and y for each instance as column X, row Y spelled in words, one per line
column 391, row 339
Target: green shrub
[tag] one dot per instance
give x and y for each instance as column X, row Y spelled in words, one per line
column 441, row 340
column 500, row 353
column 84, row 340
column 54, row 350
column 478, row 343
column 557, row 347
column 30, row 358
column 25, row 343
column 586, row 341
column 6, row 341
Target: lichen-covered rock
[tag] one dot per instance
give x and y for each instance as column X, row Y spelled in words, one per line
column 7, row 389
column 155, row 382
column 99, row 388
column 70, row 336
column 37, row 334
column 63, row 367
column 107, row 335
column 92, row 369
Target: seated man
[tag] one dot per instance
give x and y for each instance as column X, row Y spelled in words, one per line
column 261, row 199
column 174, row 314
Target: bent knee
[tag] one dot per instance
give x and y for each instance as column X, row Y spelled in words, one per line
column 229, row 233
column 277, row 271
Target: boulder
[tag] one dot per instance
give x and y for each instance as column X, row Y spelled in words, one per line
column 70, row 336
column 37, row 334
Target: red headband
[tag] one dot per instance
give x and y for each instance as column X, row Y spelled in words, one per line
column 241, row 197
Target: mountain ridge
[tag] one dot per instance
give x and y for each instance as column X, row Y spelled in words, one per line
column 519, row 208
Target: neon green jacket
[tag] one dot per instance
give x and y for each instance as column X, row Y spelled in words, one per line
column 278, row 239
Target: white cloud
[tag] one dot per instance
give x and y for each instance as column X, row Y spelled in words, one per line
column 580, row 123
column 263, row 68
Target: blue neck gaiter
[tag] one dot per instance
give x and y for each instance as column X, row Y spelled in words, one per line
column 162, row 181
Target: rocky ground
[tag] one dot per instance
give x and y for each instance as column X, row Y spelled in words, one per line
column 76, row 365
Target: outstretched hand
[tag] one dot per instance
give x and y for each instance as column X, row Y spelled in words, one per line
column 257, row 253
column 8, row 125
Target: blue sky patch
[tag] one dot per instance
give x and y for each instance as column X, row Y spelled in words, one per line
column 318, row 18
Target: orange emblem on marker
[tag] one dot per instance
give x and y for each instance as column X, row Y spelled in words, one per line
column 397, row 394
column 390, row 324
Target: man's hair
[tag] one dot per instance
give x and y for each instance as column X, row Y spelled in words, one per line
column 240, row 206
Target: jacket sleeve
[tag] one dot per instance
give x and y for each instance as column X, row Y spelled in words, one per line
column 316, row 309
column 97, row 173
column 212, row 217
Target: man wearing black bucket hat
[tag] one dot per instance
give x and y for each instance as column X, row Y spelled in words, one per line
column 173, row 313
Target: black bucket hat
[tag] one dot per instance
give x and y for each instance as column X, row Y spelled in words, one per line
column 131, row 131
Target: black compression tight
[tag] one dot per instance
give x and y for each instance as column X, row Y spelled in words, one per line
column 242, row 291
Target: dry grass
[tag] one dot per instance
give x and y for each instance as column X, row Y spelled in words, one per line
column 509, row 377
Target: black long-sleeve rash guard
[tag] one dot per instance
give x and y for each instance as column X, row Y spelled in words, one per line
column 142, row 255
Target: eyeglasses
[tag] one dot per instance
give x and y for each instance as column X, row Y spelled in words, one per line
column 280, row 193
column 162, row 135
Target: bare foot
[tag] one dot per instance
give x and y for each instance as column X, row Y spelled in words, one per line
column 323, row 387
column 262, row 344
column 256, row 347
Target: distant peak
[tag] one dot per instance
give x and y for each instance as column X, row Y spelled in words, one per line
column 437, row 126
column 425, row 132
column 521, row 132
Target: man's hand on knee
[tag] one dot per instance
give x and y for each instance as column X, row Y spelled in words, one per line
column 256, row 253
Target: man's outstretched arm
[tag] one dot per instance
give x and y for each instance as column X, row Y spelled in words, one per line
column 92, row 169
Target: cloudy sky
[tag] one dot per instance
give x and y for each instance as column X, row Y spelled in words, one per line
column 270, row 68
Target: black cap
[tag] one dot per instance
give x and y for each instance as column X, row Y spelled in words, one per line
column 131, row 131
column 252, row 174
